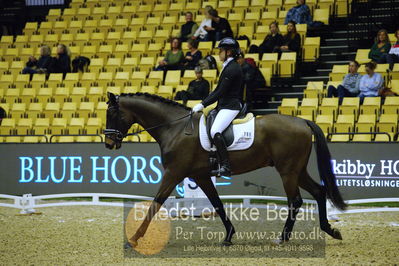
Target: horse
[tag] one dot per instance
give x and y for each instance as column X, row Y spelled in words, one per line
column 281, row 141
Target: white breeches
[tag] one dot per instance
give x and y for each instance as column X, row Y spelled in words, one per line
column 223, row 120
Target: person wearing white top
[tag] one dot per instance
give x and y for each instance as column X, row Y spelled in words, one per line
column 201, row 33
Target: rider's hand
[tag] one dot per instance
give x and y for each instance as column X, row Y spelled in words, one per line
column 198, row 108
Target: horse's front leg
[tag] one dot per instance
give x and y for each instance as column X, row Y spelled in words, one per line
column 169, row 182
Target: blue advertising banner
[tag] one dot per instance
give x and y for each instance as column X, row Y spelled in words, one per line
column 366, row 170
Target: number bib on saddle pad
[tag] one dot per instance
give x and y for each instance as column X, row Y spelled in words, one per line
column 243, row 131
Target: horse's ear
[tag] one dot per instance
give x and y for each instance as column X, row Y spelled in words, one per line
column 111, row 98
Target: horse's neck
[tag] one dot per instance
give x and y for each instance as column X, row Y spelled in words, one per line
column 152, row 114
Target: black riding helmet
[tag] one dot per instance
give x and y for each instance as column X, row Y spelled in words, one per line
column 229, row 43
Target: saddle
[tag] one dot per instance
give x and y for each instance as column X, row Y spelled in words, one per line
column 228, row 133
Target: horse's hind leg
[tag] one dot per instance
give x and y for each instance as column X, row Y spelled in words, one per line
column 206, row 184
column 290, row 182
column 319, row 194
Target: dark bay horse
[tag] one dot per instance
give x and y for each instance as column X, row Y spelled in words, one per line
column 281, row 141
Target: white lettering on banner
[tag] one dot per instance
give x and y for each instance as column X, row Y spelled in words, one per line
column 104, row 169
column 349, row 168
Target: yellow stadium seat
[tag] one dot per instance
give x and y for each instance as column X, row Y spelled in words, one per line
column 98, row 12
column 147, row 63
column 350, row 105
column 88, row 78
column 54, row 79
column 89, row 50
column 148, row 89
column 188, row 76
column 8, row 126
column 58, row 126
column 26, row 53
column 86, row 109
column 31, row 27
column 33, row 139
column 322, row 15
column 325, row 122
column 12, row 95
column 395, row 86
column 24, row 126
column 129, row 64
column 91, row 25
column 51, row 110
column 155, row 78
column 155, row 49
column 41, row 126
column 63, row 139
column 311, row 49
column 309, row 107
column 27, row 95
column 83, row 139
column 344, row 123
column 388, row 123
column 101, row 110
column 34, row 110
column 289, row 106
column 6, row 80
column 395, row 74
column 128, row 10
column 362, row 56
column 94, row 125
column 113, row 37
column 21, row 41
column 4, row 65
column 366, row 123
column 137, row 23
column 36, row 40
column 114, row 90
column 13, row 139
column 371, row 105
column 267, row 18
column 267, row 74
column 6, row 40
column 78, row 94
column 71, row 79
column 192, row 103
column 286, row 64
column 138, row 78
column 38, row 80
column 362, row 138
column 340, row 138
column 105, row 78
column 165, row 91
column 138, row 49
column 383, row 137
column 76, row 125
column 95, row 94
column 391, row 105
column 314, row 89
column 131, row 89
column 105, row 50
column 269, row 60
column 61, row 94
column 121, row 50
column 17, row 110
column 205, row 47
column 121, row 78
column 114, row 11
column 69, row 110
column 172, row 77
column 22, row 80
column 96, row 64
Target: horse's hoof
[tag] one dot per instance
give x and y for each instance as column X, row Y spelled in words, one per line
column 127, row 246
column 227, row 243
column 277, row 242
column 337, row 234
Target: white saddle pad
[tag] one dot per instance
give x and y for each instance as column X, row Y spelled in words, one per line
column 244, row 135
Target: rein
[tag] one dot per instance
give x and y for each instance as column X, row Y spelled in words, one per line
column 120, row 136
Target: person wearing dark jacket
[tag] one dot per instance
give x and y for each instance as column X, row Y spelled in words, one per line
column 271, row 42
column 252, row 77
column 220, row 27
column 188, row 29
column 198, row 89
column 34, row 66
column 291, row 41
column 228, row 94
column 193, row 56
column 62, row 62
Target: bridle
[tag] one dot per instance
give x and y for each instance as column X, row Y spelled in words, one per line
column 117, row 135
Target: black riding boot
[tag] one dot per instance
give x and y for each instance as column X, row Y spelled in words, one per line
column 221, row 148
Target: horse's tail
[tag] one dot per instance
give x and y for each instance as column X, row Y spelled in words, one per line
column 325, row 168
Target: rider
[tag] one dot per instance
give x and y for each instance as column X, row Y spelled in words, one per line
column 228, row 93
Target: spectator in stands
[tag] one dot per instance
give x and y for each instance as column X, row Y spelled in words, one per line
column 220, row 27
column 201, row 34
column 198, row 89
column 252, row 77
column 349, row 86
column 372, row 83
column 300, row 14
column 61, row 63
column 192, row 56
column 39, row 66
column 381, row 46
column 188, row 29
column 291, row 41
column 393, row 56
column 271, row 42
column 173, row 57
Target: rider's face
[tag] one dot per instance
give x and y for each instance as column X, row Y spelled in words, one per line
column 222, row 55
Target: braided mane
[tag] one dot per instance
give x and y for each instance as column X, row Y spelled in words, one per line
column 156, row 98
